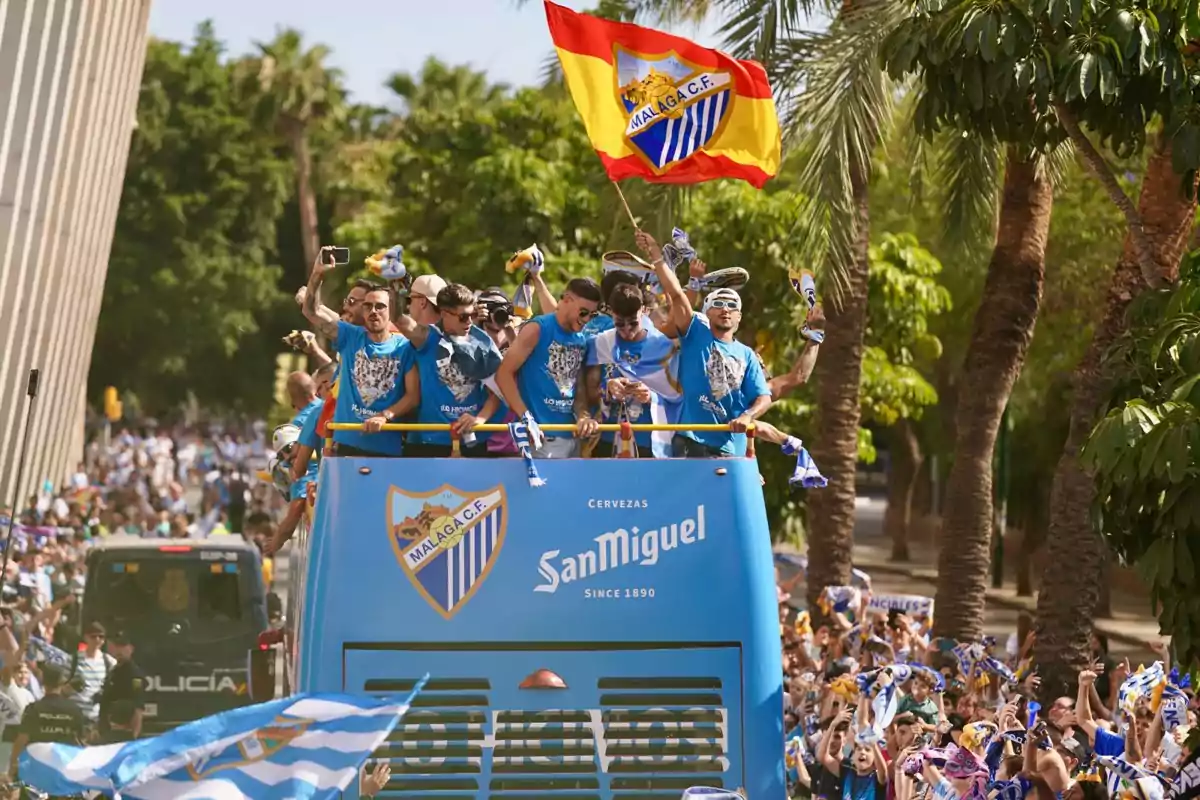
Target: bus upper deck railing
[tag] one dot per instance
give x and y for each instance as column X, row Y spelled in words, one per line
column 626, row 429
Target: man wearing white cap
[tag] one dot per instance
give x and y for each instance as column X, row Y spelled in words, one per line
column 721, row 378
column 423, row 293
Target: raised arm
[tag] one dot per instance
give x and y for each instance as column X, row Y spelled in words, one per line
column 1083, row 706
column 881, row 764
column 323, row 318
column 696, row 269
column 547, row 302
column 514, row 358
column 415, row 332
column 681, row 308
column 831, row 762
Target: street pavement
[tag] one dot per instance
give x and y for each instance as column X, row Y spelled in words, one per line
column 1128, row 633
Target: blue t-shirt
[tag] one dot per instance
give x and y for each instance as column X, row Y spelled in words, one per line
column 638, row 414
column 447, row 389
column 1108, row 743
column 371, row 381
column 306, row 419
column 547, row 378
column 598, row 325
column 313, row 409
column 308, row 431
column 720, row 380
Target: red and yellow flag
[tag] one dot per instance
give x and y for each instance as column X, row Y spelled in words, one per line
column 665, row 109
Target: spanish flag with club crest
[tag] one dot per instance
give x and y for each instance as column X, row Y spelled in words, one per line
column 665, row 109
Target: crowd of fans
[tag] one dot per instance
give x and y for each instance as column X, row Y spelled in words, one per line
column 158, row 483
column 630, row 349
column 873, row 708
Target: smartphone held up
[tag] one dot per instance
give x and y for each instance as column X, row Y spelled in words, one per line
column 338, row 256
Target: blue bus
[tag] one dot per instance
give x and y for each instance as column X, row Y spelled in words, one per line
column 613, row 634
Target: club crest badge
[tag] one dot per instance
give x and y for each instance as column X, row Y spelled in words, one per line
column 258, row 745
column 672, row 108
column 447, row 541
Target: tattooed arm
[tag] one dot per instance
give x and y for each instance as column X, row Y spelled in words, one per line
column 323, row 318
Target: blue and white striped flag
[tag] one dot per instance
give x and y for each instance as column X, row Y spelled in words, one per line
column 1173, row 707
column 305, row 747
column 41, row 650
column 657, row 366
column 1140, row 684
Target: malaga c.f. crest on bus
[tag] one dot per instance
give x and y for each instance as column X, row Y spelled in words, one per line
column 447, row 540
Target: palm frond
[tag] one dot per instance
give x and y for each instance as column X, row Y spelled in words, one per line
column 917, row 147
column 674, row 12
column 969, row 170
column 836, row 123
column 1058, row 161
column 551, row 72
column 753, row 28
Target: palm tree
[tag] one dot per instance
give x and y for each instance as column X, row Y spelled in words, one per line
column 438, row 86
column 1075, row 551
column 294, row 90
column 1003, row 330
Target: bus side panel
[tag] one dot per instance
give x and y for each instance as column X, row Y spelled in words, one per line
column 763, row 665
column 332, row 505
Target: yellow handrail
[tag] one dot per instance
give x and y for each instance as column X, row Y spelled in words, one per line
column 625, row 429
column 552, row 427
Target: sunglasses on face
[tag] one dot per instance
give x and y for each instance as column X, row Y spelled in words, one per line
column 732, row 305
column 462, row 316
column 375, row 306
column 587, row 313
column 623, row 324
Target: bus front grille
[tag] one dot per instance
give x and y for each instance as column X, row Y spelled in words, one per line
column 663, row 734
column 646, row 734
column 437, row 749
column 543, row 754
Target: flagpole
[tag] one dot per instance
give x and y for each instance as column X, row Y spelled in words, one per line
column 625, row 203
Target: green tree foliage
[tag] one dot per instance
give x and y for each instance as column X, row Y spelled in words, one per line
column 999, row 69
column 1036, row 74
column 476, row 172
column 1144, row 454
column 904, row 295
column 191, row 267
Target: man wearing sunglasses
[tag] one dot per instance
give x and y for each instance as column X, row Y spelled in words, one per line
column 722, row 379
column 621, row 398
column 454, row 358
column 543, row 369
column 378, row 381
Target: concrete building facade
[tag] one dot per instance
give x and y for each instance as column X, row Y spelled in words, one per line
column 70, row 72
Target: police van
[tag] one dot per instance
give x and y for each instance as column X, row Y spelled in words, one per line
column 192, row 607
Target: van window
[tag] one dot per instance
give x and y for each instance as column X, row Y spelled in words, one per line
column 219, row 597
column 143, row 592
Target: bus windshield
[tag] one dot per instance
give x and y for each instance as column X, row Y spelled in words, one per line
column 612, row 633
